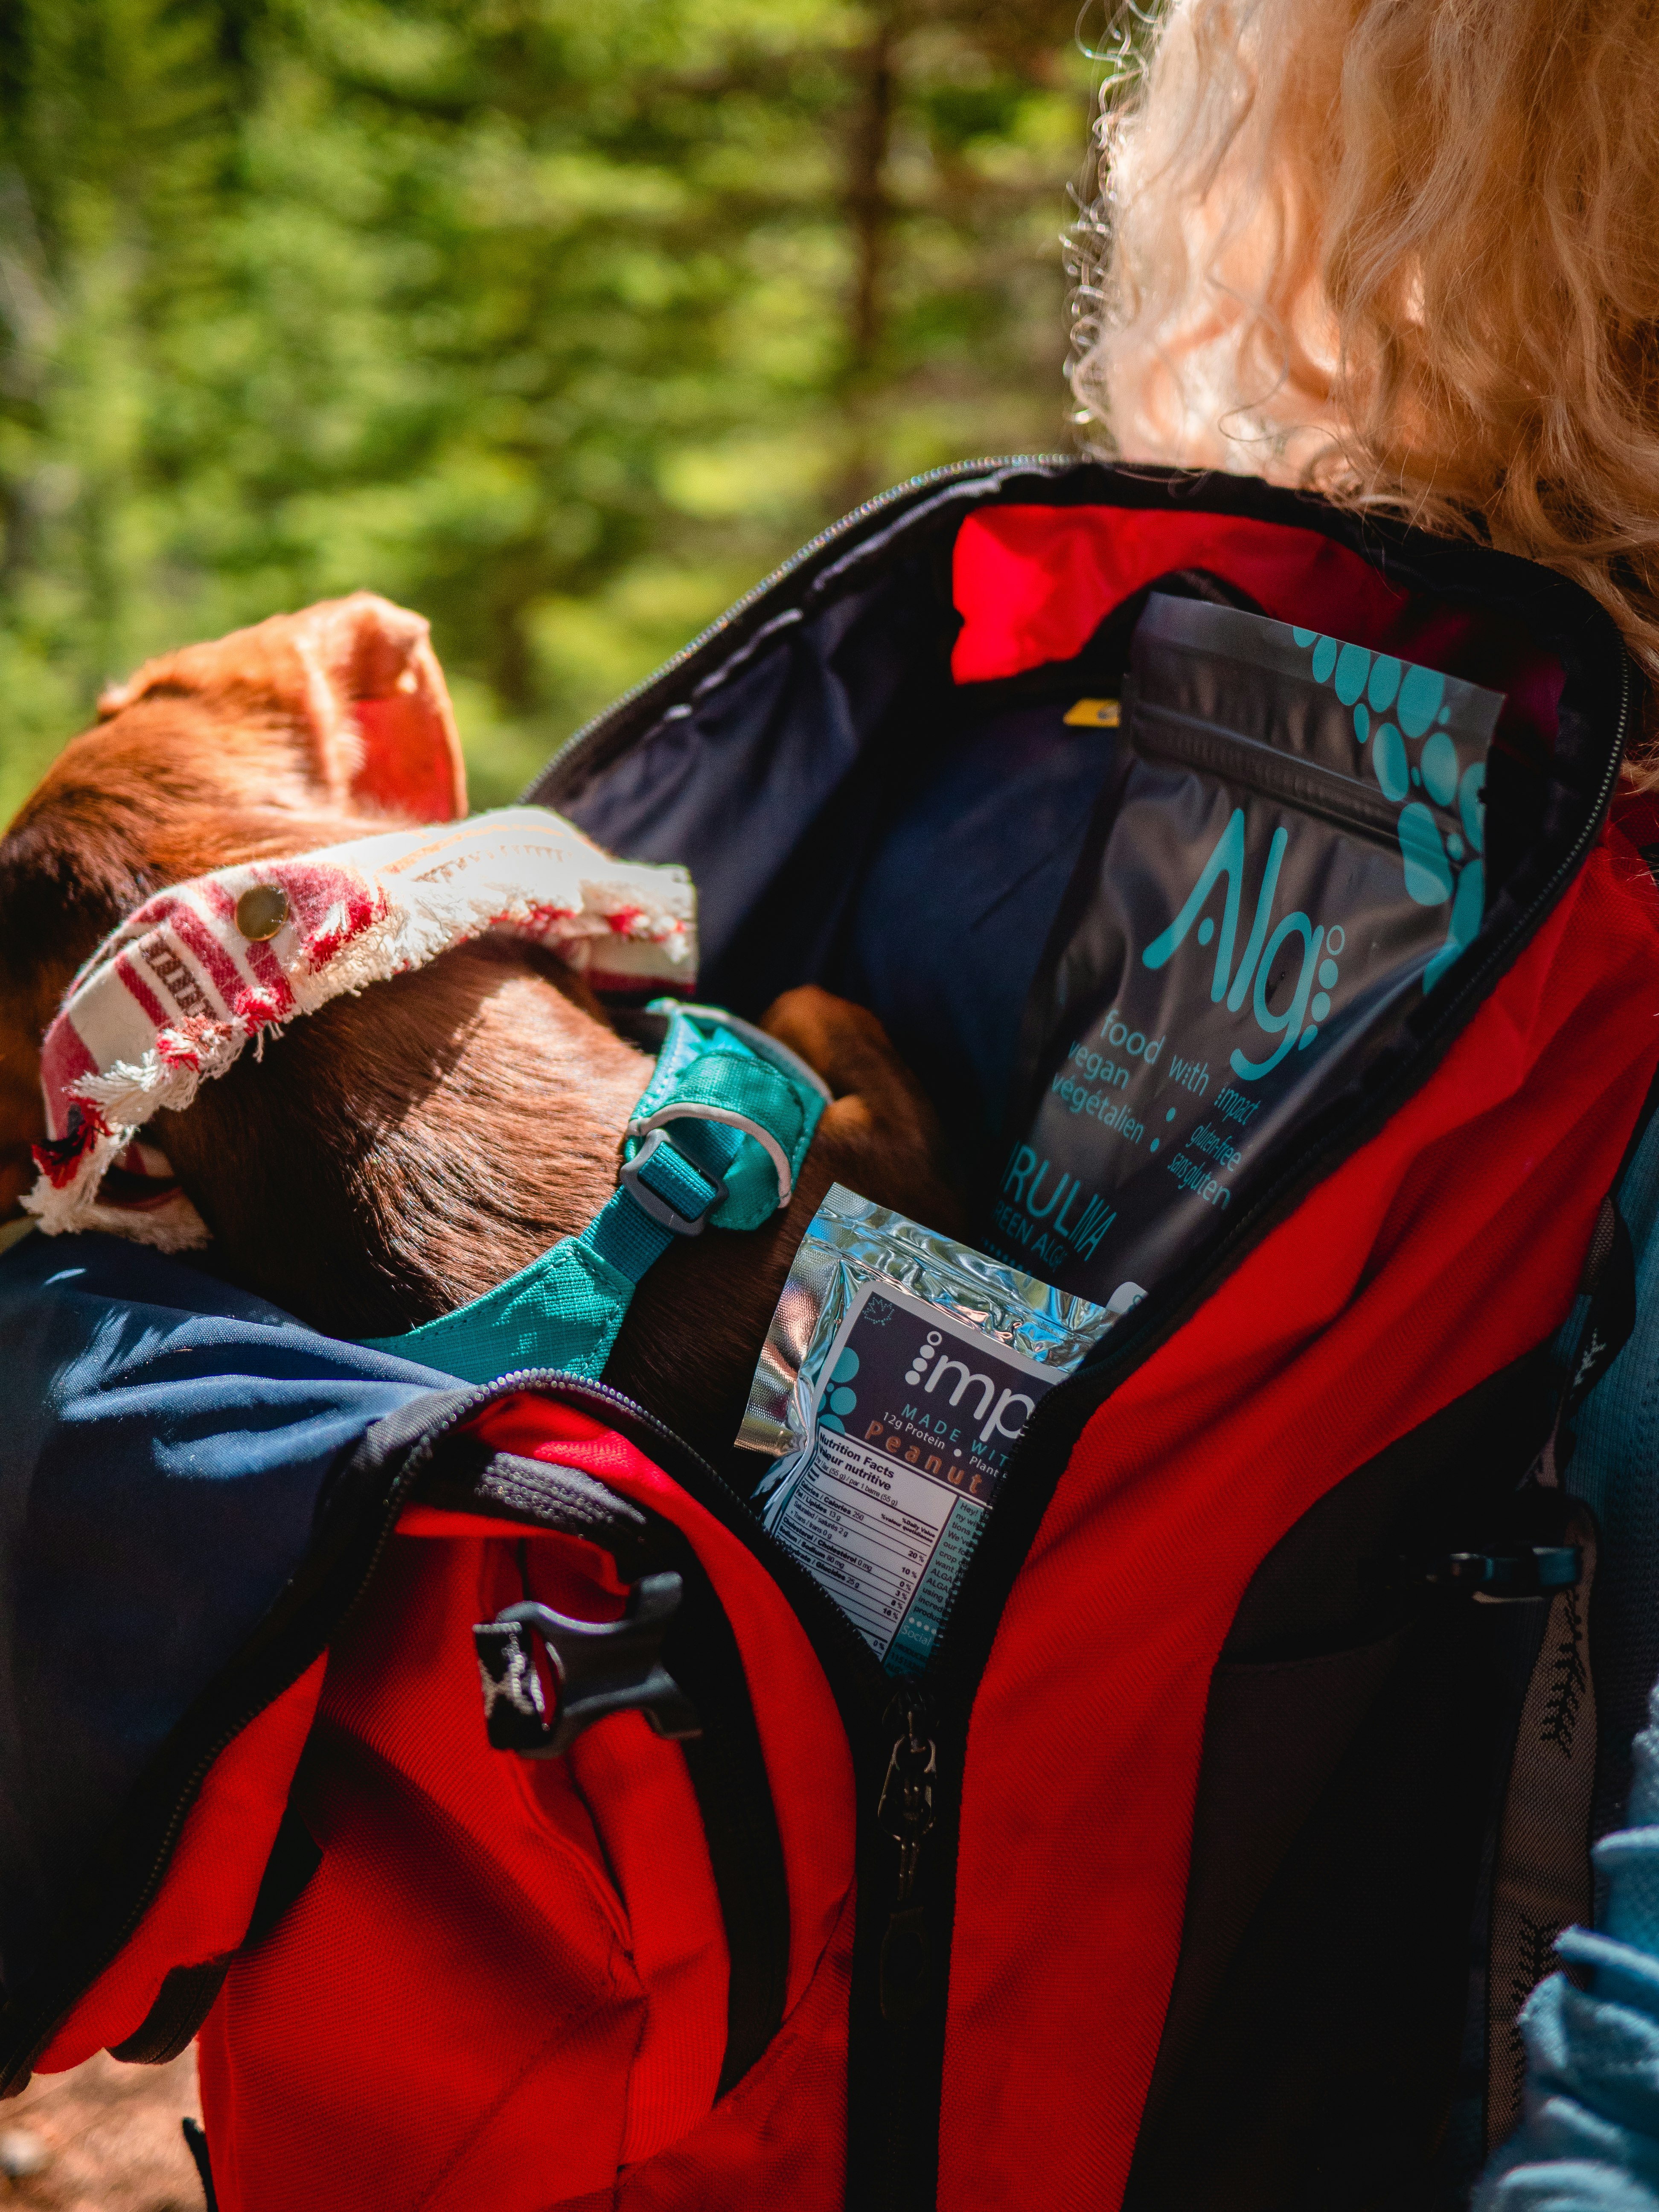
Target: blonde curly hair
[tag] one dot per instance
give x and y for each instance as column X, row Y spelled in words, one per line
column 1404, row 252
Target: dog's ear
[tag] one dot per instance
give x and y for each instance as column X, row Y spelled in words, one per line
column 354, row 680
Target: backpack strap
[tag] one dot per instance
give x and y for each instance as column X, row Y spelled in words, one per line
column 1540, row 1876
column 1540, row 1883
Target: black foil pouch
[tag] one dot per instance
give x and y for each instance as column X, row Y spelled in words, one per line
column 1289, row 857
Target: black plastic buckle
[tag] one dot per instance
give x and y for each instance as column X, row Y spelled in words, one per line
column 1513, row 1574
column 658, row 1208
column 1531, row 1571
column 598, row 1667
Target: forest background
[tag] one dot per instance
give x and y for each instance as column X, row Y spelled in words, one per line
column 561, row 321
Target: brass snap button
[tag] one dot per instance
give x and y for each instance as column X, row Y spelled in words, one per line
column 261, row 911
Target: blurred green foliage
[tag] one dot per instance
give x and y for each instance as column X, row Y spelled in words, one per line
column 560, row 321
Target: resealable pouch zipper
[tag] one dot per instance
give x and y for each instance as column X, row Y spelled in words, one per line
column 1289, row 858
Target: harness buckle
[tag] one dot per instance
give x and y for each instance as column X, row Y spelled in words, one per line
column 656, row 1207
column 597, row 1668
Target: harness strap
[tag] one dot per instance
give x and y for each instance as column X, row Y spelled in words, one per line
column 718, row 1135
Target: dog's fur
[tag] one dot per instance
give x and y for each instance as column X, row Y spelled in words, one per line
column 398, row 1153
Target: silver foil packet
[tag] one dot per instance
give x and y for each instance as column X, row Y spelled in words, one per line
column 900, row 1369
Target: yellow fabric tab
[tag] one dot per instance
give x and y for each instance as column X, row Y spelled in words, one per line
column 1094, row 715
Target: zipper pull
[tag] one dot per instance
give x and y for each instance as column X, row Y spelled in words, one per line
column 905, row 1809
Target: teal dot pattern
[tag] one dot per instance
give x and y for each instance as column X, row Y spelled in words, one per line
column 1421, row 690
column 1353, row 667
column 837, row 1399
column 1400, row 716
column 1439, row 764
column 1388, row 763
column 1428, row 872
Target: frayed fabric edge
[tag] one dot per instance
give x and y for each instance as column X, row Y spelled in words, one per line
column 627, row 916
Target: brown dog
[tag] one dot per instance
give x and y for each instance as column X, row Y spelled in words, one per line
column 399, row 1153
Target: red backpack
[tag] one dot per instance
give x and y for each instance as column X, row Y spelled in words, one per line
column 1196, row 1872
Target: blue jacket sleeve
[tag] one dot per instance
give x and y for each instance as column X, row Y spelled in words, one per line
column 1589, row 2141
column 164, row 1442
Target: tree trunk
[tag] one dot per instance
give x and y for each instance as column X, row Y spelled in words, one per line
column 870, row 218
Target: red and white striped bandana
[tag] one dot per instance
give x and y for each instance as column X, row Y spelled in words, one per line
column 173, row 995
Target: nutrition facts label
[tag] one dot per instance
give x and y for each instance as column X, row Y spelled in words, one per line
column 868, row 1530
column 916, row 1419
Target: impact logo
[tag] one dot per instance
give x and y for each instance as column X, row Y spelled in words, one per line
column 997, row 1412
column 929, row 1369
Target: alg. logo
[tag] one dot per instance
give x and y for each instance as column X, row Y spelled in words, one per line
column 1319, row 947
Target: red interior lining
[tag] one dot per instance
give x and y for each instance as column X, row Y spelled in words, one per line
column 1032, row 584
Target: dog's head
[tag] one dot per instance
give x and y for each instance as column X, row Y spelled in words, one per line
column 399, row 1152
column 304, row 731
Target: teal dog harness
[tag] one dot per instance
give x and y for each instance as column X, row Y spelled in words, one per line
column 718, row 1135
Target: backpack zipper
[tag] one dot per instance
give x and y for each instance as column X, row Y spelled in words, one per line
column 584, row 743
column 905, row 1812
